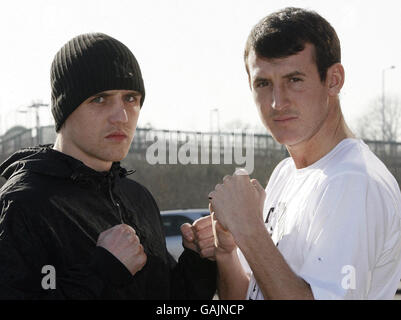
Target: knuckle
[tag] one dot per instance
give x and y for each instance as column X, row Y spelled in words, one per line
column 128, row 229
column 139, row 249
column 201, row 245
column 203, row 221
column 204, row 252
column 204, row 243
column 123, row 226
column 130, row 239
column 142, row 258
column 120, row 228
column 196, row 227
column 200, row 236
column 185, row 227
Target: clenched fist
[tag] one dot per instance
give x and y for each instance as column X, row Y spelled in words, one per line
column 199, row 237
column 223, row 239
column 238, row 203
column 122, row 241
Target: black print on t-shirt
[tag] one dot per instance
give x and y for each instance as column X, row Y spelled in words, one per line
column 269, row 226
column 271, row 210
column 276, row 219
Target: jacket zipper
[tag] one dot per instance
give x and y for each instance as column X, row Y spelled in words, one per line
column 116, row 204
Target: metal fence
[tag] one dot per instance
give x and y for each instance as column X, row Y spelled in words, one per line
column 168, row 140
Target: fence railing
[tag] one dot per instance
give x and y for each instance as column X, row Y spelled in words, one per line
column 263, row 144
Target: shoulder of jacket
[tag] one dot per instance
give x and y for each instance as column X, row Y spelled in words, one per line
column 133, row 185
column 26, row 189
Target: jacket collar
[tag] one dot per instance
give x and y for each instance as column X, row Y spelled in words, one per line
column 47, row 161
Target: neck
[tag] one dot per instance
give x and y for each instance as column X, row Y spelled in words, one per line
column 333, row 131
column 63, row 146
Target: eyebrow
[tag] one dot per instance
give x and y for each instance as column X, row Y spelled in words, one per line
column 286, row 76
column 107, row 94
column 294, row 73
column 134, row 93
column 101, row 94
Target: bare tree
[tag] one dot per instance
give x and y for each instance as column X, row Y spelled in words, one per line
column 382, row 121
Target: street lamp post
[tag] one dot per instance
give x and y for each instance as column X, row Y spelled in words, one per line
column 384, row 102
column 215, row 110
column 36, row 106
column 37, row 120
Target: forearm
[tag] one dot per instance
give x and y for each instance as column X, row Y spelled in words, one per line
column 232, row 283
column 274, row 276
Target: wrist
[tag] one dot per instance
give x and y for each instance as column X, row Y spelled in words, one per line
column 223, row 256
column 252, row 234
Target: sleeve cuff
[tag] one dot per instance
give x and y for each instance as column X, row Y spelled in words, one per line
column 109, row 268
column 198, row 265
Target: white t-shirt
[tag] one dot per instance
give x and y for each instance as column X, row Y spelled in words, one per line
column 337, row 223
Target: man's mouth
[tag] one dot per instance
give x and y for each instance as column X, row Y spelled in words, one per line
column 284, row 119
column 117, row 136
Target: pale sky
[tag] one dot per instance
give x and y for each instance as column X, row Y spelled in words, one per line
column 190, row 53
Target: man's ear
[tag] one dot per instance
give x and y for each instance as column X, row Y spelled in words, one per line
column 335, row 79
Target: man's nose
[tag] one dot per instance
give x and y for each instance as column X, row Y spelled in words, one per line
column 119, row 113
column 279, row 98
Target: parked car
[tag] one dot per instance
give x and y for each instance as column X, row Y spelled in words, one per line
column 172, row 221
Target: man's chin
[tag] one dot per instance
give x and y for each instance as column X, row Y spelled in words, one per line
column 117, row 156
column 286, row 140
column 281, row 138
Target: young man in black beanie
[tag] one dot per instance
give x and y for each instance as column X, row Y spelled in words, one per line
column 72, row 225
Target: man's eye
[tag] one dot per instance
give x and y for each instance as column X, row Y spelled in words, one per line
column 262, row 84
column 98, row 99
column 131, row 98
column 294, row 79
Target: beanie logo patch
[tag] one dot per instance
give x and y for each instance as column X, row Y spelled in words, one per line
column 123, row 69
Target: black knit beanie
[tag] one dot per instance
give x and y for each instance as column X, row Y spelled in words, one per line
column 89, row 64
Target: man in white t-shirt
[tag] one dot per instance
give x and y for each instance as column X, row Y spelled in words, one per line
column 328, row 225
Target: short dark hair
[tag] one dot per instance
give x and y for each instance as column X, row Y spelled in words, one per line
column 285, row 32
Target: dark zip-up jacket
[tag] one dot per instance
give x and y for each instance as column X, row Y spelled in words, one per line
column 53, row 209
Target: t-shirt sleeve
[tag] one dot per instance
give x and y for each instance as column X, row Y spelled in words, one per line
column 348, row 231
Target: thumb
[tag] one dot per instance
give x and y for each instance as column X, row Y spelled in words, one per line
column 217, row 226
column 223, row 239
column 187, row 232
